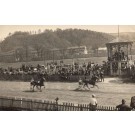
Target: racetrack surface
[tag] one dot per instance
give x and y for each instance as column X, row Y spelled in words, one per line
column 109, row 93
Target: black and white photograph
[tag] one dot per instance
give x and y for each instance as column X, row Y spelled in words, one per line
column 67, row 68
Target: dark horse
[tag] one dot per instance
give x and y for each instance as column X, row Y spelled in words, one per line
column 91, row 81
column 39, row 83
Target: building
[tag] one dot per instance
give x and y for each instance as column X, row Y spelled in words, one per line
column 118, row 56
column 77, row 50
column 102, row 51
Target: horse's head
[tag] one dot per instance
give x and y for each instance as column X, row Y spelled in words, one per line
column 43, row 78
column 32, row 82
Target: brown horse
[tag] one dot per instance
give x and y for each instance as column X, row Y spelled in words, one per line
column 39, row 83
column 92, row 81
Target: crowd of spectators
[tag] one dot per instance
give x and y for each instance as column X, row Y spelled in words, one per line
column 53, row 68
column 67, row 70
column 118, row 56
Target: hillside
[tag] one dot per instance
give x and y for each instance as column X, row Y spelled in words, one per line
column 57, row 39
column 126, row 35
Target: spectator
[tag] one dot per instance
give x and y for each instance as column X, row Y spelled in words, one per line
column 122, row 55
column 80, row 83
column 54, row 69
column 102, row 76
column 93, row 103
column 123, row 106
column 132, row 104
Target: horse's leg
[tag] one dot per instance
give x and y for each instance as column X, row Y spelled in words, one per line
column 85, row 85
column 93, row 85
column 40, row 89
column 44, row 85
column 88, row 86
column 30, row 86
column 96, row 86
column 101, row 79
column 37, row 86
column 33, row 87
column 80, row 86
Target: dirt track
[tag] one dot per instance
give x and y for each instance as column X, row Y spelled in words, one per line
column 110, row 92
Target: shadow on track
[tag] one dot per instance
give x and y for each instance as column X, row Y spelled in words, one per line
column 122, row 80
column 30, row 91
column 76, row 90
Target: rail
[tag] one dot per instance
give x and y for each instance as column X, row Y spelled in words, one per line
column 23, row 104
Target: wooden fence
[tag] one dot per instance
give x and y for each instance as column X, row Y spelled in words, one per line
column 22, row 104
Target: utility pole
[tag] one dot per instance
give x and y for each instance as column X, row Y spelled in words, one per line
column 118, row 31
column 44, row 57
column 53, row 56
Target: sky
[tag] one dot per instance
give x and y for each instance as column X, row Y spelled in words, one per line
column 6, row 29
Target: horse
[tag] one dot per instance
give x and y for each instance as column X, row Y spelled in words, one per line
column 39, row 83
column 91, row 81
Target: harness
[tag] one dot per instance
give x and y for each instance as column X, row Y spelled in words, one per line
column 38, row 83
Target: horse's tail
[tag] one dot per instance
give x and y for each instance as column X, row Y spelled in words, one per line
column 31, row 84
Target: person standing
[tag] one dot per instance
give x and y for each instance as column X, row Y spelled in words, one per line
column 80, row 82
column 123, row 106
column 93, row 103
column 102, row 76
column 122, row 55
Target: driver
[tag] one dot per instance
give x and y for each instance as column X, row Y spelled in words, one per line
column 80, row 83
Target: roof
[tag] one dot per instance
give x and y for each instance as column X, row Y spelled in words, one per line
column 76, row 47
column 102, row 48
column 119, row 41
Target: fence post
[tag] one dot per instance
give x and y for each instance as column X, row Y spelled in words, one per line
column 68, row 106
column 31, row 107
column 114, row 109
column 1, row 102
column 73, row 107
column 89, row 107
column 47, row 105
column 59, row 107
column 12, row 100
column 56, row 106
column 63, row 106
column 103, row 108
column 21, row 103
column 111, row 108
column 80, row 107
column 85, row 107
